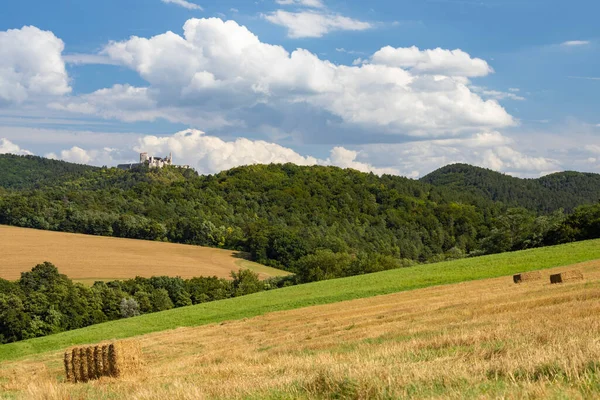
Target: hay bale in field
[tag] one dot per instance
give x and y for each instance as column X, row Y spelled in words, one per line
column 98, row 364
column 88, row 363
column 83, row 364
column 68, row 359
column 574, row 275
column 91, row 363
column 527, row 276
column 124, row 357
column 76, row 365
column 105, row 362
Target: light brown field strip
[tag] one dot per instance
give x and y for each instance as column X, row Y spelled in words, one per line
column 539, row 340
column 89, row 258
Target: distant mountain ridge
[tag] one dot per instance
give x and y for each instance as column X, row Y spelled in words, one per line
column 565, row 190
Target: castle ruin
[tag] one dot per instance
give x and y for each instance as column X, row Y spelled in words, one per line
column 152, row 162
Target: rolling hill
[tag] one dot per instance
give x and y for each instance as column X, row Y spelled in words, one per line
column 292, row 217
column 487, row 338
column 565, row 190
column 86, row 258
column 324, row 292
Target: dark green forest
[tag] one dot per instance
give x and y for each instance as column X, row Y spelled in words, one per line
column 317, row 222
column 300, row 218
column 565, row 190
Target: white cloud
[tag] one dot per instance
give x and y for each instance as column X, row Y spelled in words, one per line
column 514, row 90
column 435, row 61
column 210, row 154
column 183, row 3
column 77, row 155
column 305, row 24
column 303, row 3
column 83, row 59
column 31, row 65
column 7, row 147
column 345, row 158
column 219, row 74
column 572, row 43
column 487, row 149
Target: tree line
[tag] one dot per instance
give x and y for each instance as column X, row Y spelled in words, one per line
column 44, row 302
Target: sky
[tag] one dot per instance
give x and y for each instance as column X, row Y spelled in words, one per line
column 385, row 86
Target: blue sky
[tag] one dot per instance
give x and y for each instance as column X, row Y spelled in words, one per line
column 505, row 84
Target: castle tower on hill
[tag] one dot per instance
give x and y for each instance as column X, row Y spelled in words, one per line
column 152, row 162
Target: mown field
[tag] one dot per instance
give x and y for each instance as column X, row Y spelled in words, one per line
column 480, row 339
column 86, row 259
column 324, row 292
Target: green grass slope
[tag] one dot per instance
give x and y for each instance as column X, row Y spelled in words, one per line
column 323, row 292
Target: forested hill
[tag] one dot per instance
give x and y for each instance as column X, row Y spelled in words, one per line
column 565, row 190
column 21, row 172
column 318, row 222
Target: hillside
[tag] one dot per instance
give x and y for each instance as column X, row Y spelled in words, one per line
column 565, row 190
column 482, row 339
column 87, row 258
column 324, row 292
column 23, row 172
column 318, row 222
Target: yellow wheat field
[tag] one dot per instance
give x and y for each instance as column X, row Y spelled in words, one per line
column 483, row 339
column 88, row 258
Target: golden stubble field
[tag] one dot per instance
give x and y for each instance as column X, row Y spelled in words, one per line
column 482, row 339
column 87, row 258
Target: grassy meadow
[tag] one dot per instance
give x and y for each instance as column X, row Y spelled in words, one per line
column 87, row 259
column 317, row 293
column 480, row 339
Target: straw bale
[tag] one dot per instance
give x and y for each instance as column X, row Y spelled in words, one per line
column 105, row 361
column 98, row 364
column 124, row 357
column 76, row 364
column 115, row 359
column 527, row 276
column 68, row 359
column 91, row 363
column 83, row 364
column 574, row 275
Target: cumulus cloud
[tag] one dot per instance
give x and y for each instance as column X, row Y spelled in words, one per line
column 77, row 155
column 184, row 4
column 344, row 158
column 435, row 61
column 486, row 149
column 304, row 24
column 31, row 65
column 8, row 147
column 209, row 154
column 219, row 74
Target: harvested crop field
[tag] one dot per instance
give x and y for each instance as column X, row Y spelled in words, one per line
column 480, row 339
column 87, row 258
